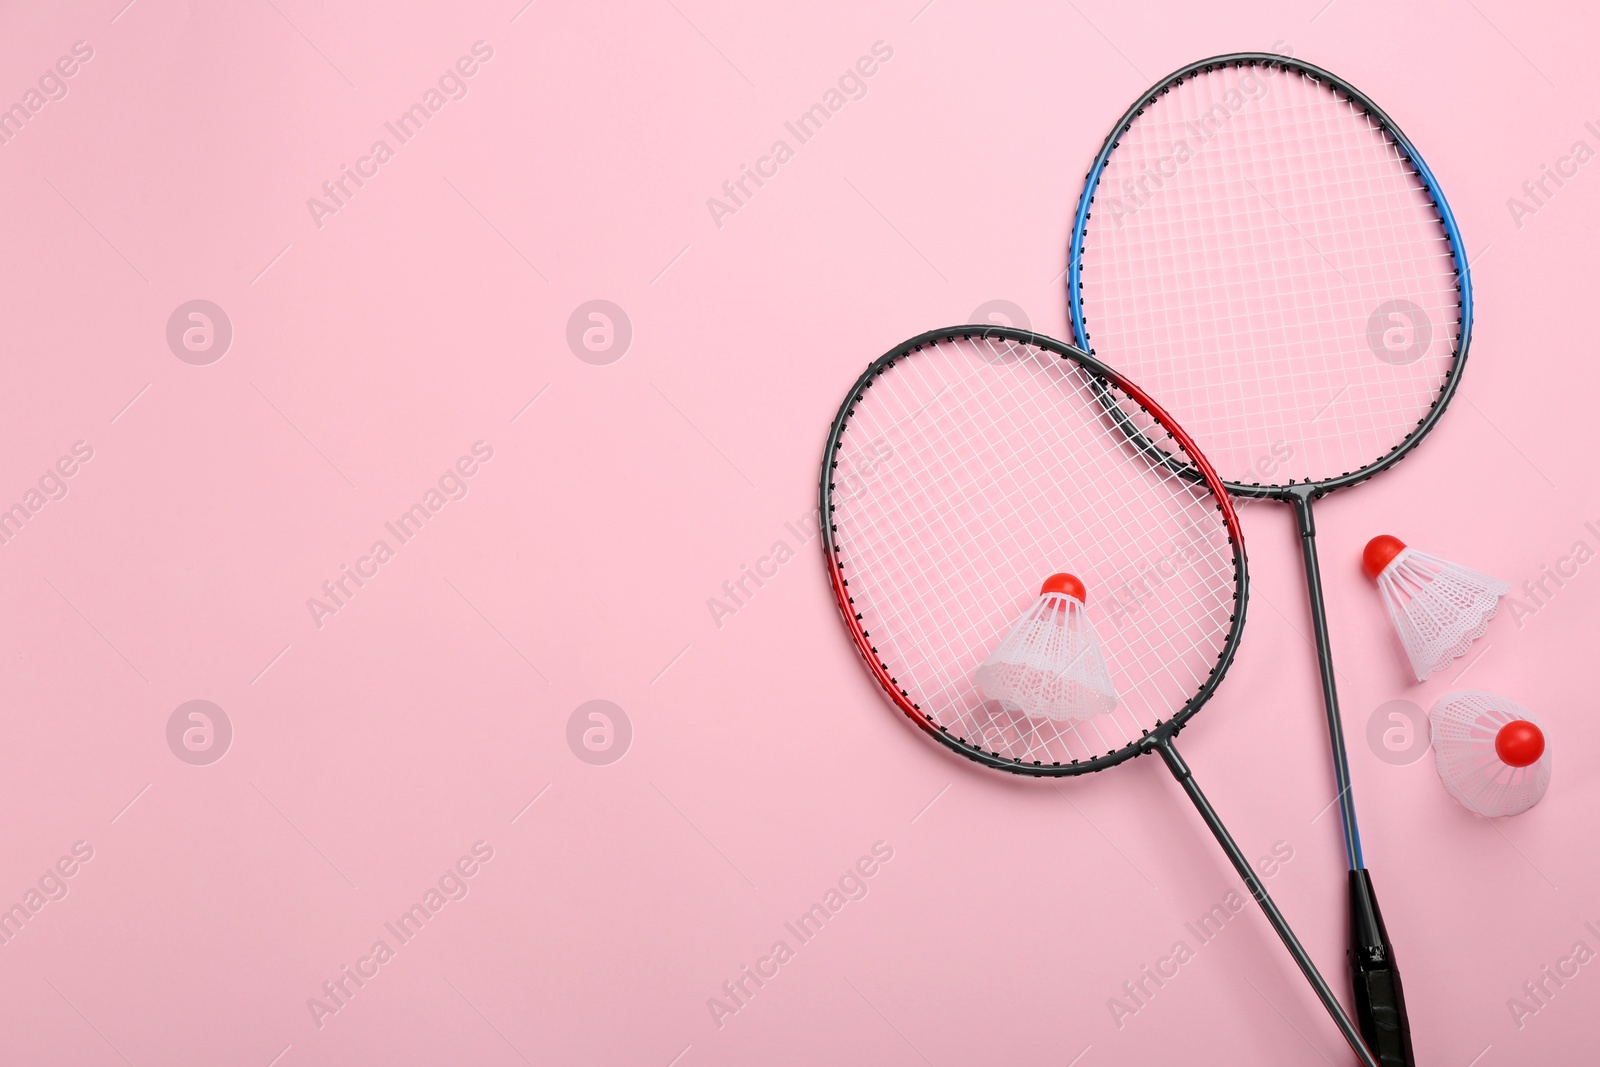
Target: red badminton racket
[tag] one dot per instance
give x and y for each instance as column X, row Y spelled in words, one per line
column 969, row 464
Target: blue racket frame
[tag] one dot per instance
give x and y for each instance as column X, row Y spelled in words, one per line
column 1376, row 981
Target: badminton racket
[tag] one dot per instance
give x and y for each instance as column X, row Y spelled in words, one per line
column 1268, row 254
column 968, row 464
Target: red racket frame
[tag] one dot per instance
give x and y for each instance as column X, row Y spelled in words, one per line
column 1160, row 737
column 1200, row 470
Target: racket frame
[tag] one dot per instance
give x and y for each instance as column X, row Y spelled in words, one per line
column 1100, row 377
column 1452, row 378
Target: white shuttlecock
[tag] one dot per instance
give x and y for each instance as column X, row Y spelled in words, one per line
column 1438, row 608
column 1490, row 752
column 1049, row 666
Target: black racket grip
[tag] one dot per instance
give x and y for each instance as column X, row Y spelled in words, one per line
column 1380, row 1000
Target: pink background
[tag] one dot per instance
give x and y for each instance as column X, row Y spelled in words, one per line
column 371, row 753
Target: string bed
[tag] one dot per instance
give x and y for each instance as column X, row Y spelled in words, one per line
column 969, row 471
column 1264, row 260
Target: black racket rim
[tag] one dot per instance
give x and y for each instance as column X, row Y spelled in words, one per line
column 1447, row 390
column 1101, row 377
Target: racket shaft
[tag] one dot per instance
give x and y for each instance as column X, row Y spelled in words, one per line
column 1330, row 693
column 1180, row 771
column 1374, row 978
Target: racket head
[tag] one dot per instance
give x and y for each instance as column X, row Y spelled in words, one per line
column 1295, row 290
column 968, row 464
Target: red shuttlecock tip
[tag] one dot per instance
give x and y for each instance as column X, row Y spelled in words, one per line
column 1519, row 743
column 1379, row 553
column 1064, row 583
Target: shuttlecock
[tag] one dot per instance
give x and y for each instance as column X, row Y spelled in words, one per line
column 1438, row 608
column 1490, row 752
column 1049, row 666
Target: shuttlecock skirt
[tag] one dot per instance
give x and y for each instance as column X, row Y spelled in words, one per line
column 1049, row 666
column 1438, row 608
column 1465, row 724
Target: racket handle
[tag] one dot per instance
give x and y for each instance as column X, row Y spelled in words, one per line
column 1380, row 1000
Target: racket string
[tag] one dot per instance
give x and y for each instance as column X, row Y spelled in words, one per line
column 1240, row 289
column 996, row 451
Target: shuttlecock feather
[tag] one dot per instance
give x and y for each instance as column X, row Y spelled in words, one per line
column 1049, row 665
column 1438, row 608
column 1490, row 752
